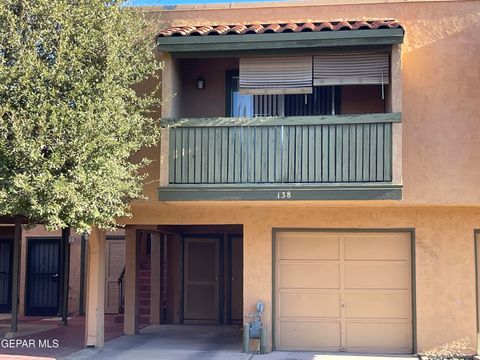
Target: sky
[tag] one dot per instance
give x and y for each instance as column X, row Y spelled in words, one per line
column 181, row 2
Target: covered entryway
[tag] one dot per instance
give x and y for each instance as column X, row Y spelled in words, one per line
column 183, row 274
column 200, row 274
column 348, row 291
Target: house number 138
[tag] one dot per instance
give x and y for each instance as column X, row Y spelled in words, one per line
column 284, row 195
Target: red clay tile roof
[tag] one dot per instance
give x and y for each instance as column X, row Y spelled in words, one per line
column 280, row 28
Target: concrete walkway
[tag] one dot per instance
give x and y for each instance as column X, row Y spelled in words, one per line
column 190, row 342
column 172, row 342
column 37, row 337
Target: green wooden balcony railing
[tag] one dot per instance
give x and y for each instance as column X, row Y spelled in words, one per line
column 315, row 150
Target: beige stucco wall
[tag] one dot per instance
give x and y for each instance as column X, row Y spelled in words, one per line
column 440, row 111
column 440, row 165
column 444, row 253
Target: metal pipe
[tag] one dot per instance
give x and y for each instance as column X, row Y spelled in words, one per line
column 263, row 340
column 246, row 338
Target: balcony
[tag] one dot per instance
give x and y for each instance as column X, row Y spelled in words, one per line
column 320, row 124
column 282, row 158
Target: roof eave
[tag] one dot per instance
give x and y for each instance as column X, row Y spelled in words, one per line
column 280, row 41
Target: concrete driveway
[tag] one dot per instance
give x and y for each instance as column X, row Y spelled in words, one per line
column 190, row 342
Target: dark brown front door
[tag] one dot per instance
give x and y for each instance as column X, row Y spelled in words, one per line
column 201, row 280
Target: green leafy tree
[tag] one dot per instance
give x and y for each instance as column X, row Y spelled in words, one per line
column 70, row 118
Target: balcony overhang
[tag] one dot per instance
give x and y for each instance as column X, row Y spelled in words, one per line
column 304, row 40
column 280, row 192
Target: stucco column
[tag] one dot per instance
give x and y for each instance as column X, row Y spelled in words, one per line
column 155, row 253
column 257, row 273
column 94, row 327
column 130, row 326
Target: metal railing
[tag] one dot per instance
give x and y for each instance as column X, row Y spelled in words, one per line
column 121, row 292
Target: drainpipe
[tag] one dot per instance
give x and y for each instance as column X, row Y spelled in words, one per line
column 66, row 273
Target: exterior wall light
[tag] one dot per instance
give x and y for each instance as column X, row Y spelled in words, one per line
column 200, row 83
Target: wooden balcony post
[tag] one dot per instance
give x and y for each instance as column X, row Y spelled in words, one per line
column 396, row 106
column 170, row 109
column 164, row 156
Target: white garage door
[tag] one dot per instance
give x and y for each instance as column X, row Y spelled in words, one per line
column 343, row 292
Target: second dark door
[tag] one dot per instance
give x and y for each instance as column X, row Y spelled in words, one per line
column 43, row 278
column 6, row 255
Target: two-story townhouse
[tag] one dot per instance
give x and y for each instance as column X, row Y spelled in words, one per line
column 323, row 160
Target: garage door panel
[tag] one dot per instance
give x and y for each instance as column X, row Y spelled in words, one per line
column 309, row 335
column 377, row 305
column 371, row 336
column 377, row 246
column 299, row 304
column 300, row 275
column 308, row 246
column 377, row 275
column 343, row 291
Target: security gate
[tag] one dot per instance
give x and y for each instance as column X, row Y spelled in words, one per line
column 6, row 254
column 43, row 278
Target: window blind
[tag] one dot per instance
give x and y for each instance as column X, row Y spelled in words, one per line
column 350, row 69
column 269, row 105
column 276, row 75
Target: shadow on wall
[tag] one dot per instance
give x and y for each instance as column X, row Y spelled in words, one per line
column 440, row 77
